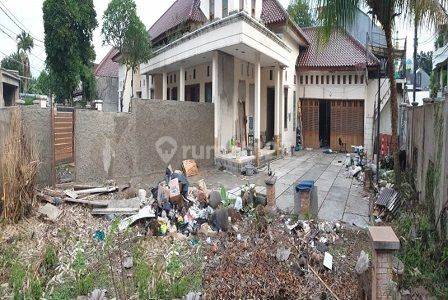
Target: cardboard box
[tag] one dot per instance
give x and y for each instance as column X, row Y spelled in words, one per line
column 190, row 167
column 175, row 188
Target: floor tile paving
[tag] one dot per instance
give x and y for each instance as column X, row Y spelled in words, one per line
column 340, row 197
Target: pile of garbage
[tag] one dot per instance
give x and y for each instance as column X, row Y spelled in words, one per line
column 173, row 207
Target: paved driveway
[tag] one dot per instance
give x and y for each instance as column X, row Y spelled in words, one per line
column 340, row 196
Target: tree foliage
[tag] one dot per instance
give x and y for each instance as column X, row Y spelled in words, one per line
column 12, row 62
column 24, row 45
column 300, row 12
column 24, row 42
column 69, row 29
column 42, row 84
column 424, row 61
column 123, row 30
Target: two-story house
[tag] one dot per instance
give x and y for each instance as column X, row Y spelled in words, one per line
column 265, row 76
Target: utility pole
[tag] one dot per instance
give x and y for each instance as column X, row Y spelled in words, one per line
column 415, row 60
column 378, row 127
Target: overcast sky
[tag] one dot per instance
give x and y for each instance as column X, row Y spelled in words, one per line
column 29, row 17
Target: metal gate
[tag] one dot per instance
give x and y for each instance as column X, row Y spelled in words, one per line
column 63, row 124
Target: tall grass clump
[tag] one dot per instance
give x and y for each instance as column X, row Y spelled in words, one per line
column 18, row 169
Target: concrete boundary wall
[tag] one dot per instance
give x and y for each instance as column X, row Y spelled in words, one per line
column 426, row 145
column 140, row 144
column 37, row 123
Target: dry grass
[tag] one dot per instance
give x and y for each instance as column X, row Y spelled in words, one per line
column 18, row 169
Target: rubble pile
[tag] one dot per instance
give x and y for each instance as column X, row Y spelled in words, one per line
column 284, row 260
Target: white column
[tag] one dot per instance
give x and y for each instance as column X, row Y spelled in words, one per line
column 282, row 108
column 215, row 98
column 257, row 81
column 278, row 96
column 164, row 86
column 148, row 86
column 182, row 84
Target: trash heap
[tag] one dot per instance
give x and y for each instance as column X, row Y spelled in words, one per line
column 176, row 207
column 172, row 207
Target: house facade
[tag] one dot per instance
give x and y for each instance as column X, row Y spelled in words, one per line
column 106, row 76
column 273, row 84
column 9, row 87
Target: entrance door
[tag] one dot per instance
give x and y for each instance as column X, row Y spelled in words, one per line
column 310, row 123
column 192, row 92
column 270, row 105
column 347, row 123
column 242, row 116
column 324, row 123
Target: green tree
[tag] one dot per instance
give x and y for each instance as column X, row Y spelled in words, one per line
column 424, row 61
column 43, row 83
column 300, row 12
column 341, row 13
column 24, row 45
column 69, row 29
column 12, row 62
column 88, row 84
column 124, row 30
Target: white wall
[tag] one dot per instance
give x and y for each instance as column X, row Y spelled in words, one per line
column 289, row 134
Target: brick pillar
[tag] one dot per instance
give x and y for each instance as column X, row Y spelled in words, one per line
column 384, row 244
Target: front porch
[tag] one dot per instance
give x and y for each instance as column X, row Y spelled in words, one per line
column 237, row 64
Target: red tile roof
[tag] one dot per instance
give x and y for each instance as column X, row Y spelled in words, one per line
column 342, row 51
column 107, row 67
column 273, row 12
column 180, row 12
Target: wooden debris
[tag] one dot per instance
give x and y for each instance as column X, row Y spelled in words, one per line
column 97, row 190
column 78, row 187
column 88, row 202
column 190, row 167
column 115, row 210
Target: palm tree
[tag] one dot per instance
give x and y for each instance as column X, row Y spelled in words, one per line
column 24, row 44
column 341, row 13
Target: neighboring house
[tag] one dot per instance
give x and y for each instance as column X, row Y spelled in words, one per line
column 440, row 66
column 130, row 81
column 9, row 87
column 366, row 31
column 106, row 75
column 422, row 80
column 254, row 63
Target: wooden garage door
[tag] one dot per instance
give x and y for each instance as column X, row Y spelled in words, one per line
column 347, row 123
column 310, row 123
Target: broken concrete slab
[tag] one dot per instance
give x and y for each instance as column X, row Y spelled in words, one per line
column 125, row 203
column 50, row 212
